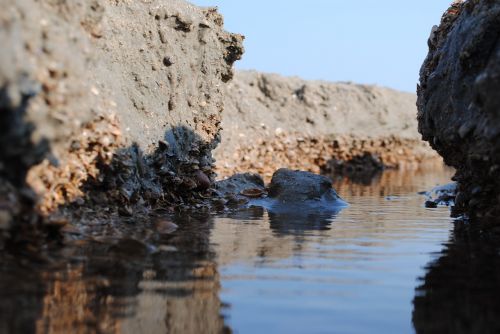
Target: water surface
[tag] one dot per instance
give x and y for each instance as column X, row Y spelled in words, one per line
column 356, row 271
column 351, row 273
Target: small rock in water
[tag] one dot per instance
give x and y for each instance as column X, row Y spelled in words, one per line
column 297, row 186
column 430, row 204
column 441, row 195
column 240, row 184
column 252, row 192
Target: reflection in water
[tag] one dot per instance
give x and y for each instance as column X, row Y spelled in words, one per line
column 297, row 223
column 256, row 271
column 121, row 286
column 461, row 291
column 354, row 271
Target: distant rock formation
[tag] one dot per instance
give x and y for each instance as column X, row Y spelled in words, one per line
column 270, row 121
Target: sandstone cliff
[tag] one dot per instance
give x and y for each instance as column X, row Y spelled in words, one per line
column 272, row 121
column 126, row 95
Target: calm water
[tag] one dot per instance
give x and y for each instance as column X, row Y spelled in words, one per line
column 358, row 271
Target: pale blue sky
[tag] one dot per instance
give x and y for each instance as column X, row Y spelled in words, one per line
column 380, row 42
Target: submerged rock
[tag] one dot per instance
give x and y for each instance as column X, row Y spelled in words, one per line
column 459, row 102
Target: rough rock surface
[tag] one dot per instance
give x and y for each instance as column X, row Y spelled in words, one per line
column 125, row 96
column 270, row 121
column 289, row 191
column 459, row 101
column 443, row 195
column 298, row 186
column 238, row 183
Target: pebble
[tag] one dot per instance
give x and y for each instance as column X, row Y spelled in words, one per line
column 202, row 180
column 166, row 227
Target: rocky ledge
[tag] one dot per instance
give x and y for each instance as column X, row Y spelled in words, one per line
column 108, row 102
column 270, row 121
column 459, row 101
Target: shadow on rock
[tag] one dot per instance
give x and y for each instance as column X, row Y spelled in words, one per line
column 18, row 154
column 178, row 173
column 460, row 292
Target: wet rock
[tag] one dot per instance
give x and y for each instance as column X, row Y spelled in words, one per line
column 239, row 184
column 441, row 195
column 202, row 180
column 288, row 191
column 253, row 193
column 235, row 201
column 430, row 204
column 164, row 226
column 298, row 186
column 296, row 195
column 458, row 101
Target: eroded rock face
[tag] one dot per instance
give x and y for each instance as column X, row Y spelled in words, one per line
column 120, row 96
column 271, row 121
column 459, row 101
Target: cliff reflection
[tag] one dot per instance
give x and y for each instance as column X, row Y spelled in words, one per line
column 393, row 181
column 461, row 291
column 360, row 263
column 119, row 286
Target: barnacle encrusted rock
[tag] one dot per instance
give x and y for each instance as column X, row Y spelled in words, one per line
column 459, row 101
column 120, row 96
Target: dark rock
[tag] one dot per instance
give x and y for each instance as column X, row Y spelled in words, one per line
column 289, row 191
column 297, row 186
column 202, row 180
column 238, row 183
column 458, row 101
column 430, row 204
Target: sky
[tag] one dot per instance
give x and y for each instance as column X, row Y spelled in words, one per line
column 381, row 42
